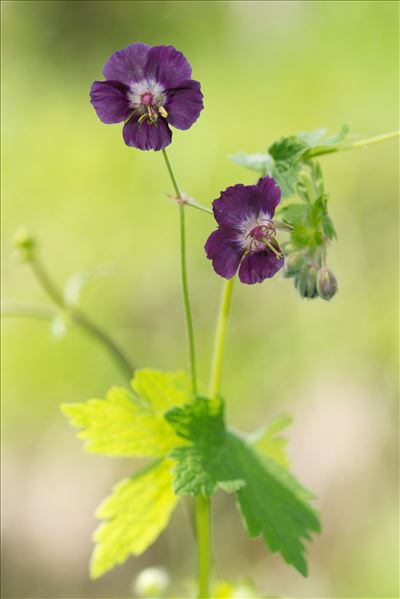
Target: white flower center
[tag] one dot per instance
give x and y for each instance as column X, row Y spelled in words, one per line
column 254, row 230
column 146, row 93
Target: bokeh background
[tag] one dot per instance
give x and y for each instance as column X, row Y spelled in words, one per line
column 267, row 69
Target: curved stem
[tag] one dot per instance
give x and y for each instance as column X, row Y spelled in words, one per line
column 220, row 339
column 81, row 319
column 185, row 286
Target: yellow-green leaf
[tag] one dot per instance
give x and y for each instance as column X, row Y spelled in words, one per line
column 136, row 513
column 132, row 423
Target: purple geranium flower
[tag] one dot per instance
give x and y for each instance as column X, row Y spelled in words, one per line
column 148, row 88
column 245, row 238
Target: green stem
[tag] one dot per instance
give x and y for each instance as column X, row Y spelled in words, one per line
column 203, row 527
column 362, row 143
column 29, row 310
column 184, row 278
column 220, row 339
column 81, row 319
column 202, row 507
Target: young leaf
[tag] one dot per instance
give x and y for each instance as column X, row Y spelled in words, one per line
column 287, row 149
column 76, row 283
column 136, row 513
column 318, row 146
column 293, row 214
column 270, row 443
column 132, row 424
column 203, row 465
column 254, row 162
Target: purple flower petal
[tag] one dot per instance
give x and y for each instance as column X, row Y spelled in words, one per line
column 184, row 104
column 256, row 267
column 270, row 195
column 146, row 136
column 236, row 205
column 110, row 101
column 224, row 251
column 127, row 65
column 167, row 66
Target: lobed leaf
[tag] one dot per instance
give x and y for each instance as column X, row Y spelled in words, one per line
column 132, row 424
column 203, row 465
column 272, row 503
column 136, row 513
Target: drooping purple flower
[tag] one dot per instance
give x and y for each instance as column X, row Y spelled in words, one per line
column 245, row 238
column 149, row 88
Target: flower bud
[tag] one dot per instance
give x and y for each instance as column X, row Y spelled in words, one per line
column 25, row 244
column 151, row 583
column 306, row 281
column 293, row 263
column 326, row 283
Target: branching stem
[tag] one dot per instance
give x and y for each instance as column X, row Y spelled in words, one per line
column 80, row 318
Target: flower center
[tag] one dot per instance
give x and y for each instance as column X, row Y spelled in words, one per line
column 261, row 236
column 146, row 99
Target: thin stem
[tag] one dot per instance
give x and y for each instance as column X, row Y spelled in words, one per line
column 203, row 527
column 220, row 339
column 81, row 319
column 29, row 310
column 371, row 140
column 184, row 278
column 362, row 143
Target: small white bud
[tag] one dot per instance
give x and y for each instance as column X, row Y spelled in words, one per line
column 151, row 583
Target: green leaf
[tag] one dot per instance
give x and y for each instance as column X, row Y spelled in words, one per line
column 286, row 174
column 136, row 513
column 254, row 162
column 203, row 465
column 317, row 145
column 287, row 149
column 273, row 504
column 293, row 214
column 132, row 424
column 269, row 443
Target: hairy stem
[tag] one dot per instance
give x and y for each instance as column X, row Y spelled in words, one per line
column 184, row 278
column 81, row 319
column 202, row 506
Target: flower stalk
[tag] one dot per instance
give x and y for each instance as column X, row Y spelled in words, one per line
column 184, row 277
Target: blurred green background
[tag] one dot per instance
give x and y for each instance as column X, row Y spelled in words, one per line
column 267, row 69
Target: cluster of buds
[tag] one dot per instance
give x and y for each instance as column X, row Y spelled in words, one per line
column 310, row 278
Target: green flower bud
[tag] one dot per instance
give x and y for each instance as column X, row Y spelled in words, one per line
column 306, row 281
column 25, row 244
column 326, row 283
column 293, row 263
column 151, row 583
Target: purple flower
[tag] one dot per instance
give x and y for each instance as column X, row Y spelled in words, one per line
column 245, row 238
column 149, row 88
